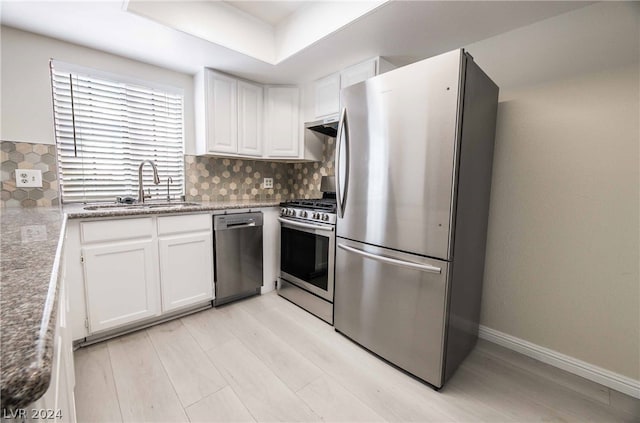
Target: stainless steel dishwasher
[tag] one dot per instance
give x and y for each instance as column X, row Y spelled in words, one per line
column 237, row 250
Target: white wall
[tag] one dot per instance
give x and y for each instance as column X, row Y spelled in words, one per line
column 27, row 107
column 562, row 265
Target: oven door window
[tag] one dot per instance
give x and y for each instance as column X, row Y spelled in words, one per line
column 305, row 256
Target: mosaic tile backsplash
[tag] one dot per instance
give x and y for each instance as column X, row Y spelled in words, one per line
column 23, row 155
column 207, row 178
column 224, row 179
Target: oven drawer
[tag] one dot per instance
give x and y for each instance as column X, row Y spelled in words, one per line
column 314, row 305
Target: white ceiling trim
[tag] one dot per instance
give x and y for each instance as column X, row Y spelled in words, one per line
column 221, row 23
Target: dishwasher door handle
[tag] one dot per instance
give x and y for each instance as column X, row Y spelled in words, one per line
column 240, row 225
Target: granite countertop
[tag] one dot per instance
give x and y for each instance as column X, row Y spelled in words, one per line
column 77, row 211
column 31, row 246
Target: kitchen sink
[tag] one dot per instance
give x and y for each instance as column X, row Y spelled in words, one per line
column 140, row 206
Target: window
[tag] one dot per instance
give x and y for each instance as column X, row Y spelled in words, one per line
column 106, row 126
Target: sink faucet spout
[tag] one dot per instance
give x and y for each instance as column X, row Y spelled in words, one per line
column 156, row 180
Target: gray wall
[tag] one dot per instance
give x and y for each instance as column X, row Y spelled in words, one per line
column 562, row 252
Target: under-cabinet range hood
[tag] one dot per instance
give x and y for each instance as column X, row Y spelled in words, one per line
column 327, row 126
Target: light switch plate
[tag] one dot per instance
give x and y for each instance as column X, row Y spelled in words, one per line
column 29, row 178
column 268, row 183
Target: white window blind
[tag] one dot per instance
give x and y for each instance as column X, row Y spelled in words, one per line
column 104, row 128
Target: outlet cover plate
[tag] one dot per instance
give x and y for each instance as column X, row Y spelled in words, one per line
column 29, row 178
column 268, row 182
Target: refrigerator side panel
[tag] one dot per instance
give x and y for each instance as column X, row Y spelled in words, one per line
column 394, row 310
column 475, row 155
column 400, row 135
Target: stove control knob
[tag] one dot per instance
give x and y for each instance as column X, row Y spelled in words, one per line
column 316, row 215
column 325, row 217
column 303, row 213
column 292, row 212
column 283, row 212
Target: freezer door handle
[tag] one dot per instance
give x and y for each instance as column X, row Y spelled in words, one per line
column 392, row 261
column 342, row 185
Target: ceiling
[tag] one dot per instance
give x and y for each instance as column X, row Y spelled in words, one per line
column 401, row 31
column 270, row 12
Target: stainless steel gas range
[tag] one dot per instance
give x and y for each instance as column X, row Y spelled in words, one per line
column 307, row 254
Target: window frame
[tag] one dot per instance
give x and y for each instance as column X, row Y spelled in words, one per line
column 59, row 67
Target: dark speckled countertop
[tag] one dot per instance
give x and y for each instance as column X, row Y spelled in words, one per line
column 31, row 245
column 30, row 254
column 77, row 211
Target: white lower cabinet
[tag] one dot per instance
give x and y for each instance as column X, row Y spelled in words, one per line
column 270, row 248
column 122, row 283
column 136, row 269
column 186, row 262
column 58, row 402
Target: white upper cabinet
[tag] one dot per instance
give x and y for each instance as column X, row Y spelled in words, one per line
column 326, row 91
column 282, row 122
column 327, row 95
column 228, row 114
column 358, row 73
column 250, row 107
column 222, row 113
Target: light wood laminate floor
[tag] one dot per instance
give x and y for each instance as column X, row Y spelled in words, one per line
column 265, row 359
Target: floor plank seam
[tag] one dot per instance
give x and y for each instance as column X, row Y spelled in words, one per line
column 113, row 376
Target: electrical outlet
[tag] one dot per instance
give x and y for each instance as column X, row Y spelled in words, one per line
column 29, row 178
column 268, row 182
column 33, row 233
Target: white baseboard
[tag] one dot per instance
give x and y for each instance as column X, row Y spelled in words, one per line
column 581, row 368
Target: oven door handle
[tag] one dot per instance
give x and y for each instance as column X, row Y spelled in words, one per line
column 305, row 225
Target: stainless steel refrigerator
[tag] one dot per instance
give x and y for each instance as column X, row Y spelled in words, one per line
column 413, row 174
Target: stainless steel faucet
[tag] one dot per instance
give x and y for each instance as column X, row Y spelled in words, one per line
column 169, row 181
column 156, row 180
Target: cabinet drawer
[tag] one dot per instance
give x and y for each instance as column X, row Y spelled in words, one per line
column 168, row 225
column 111, row 230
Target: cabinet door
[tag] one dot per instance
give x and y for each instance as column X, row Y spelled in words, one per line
column 250, row 108
column 357, row 73
column 281, row 124
column 122, row 283
column 327, row 95
column 186, row 270
column 222, row 114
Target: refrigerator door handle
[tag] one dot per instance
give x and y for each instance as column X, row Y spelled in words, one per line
column 392, row 261
column 341, row 194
